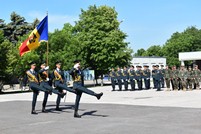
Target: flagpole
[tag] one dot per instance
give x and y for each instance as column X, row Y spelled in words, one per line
column 47, row 50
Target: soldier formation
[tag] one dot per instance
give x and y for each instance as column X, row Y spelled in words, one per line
column 174, row 79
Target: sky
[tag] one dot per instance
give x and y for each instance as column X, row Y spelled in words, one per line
column 146, row 22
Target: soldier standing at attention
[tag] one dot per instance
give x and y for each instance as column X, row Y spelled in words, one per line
column 153, row 75
column 189, row 78
column 32, row 77
column 113, row 79
column 132, row 77
column 78, row 85
column 196, row 76
column 182, row 78
column 158, row 77
column 146, row 76
column 44, row 79
column 163, row 74
column 174, row 79
column 168, row 76
column 59, row 83
column 138, row 77
column 125, row 78
column 119, row 77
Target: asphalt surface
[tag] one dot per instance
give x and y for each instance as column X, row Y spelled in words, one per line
column 15, row 118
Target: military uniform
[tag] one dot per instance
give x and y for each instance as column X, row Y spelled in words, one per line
column 132, row 76
column 182, row 75
column 153, row 76
column 32, row 78
column 158, row 77
column 113, row 79
column 174, row 79
column 138, row 77
column 125, row 77
column 119, row 79
column 60, row 84
column 168, row 76
column 162, row 79
column 146, row 76
column 44, row 83
column 78, row 85
column 196, row 78
column 189, row 79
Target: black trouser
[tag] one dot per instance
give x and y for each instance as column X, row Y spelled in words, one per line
column 120, row 84
column 162, row 82
column 139, row 84
column 158, row 85
column 154, row 81
column 60, row 86
column 80, row 89
column 113, row 81
column 126, row 84
column 36, row 88
column 132, row 82
column 147, row 83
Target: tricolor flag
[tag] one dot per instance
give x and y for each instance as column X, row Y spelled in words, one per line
column 40, row 33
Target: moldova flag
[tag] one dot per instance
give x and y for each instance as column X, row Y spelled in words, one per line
column 40, row 33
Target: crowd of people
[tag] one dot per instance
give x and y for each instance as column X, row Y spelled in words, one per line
column 174, row 79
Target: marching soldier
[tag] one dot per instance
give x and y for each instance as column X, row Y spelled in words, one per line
column 168, row 76
column 158, row 77
column 163, row 74
column 119, row 78
column 174, row 79
column 125, row 78
column 189, row 78
column 78, row 85
column 44, row 79
column 138, row 77
column 146, row 76
column 153, row 75
column 182, row 75
column 113, row 79
column 196, row 77
column 132, row 77
column 32, row 78
column 59, row 83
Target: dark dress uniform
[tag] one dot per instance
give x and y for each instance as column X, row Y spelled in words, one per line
column 60, row 85
column 138, row 77
column 153, row 76
column 125, row 77
column 44, row 83
column 132, row 78
column 158, row 77
column 146, row 76
column 32, row 78
column 78, row 85
column 113, row 79
column 162, row 79
column 119, row 79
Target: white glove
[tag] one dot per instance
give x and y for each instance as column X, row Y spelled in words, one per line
column 46, row 68
column 23, row 88
column 76, row 66
column 47, row 79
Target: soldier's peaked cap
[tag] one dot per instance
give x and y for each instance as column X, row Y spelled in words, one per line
column 76, row 61
column 57, row 62
column 32, row 63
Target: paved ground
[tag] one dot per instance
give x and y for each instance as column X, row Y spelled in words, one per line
column 140, row 112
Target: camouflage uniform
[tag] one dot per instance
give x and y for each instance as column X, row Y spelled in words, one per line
column 174, row 79
column 189, row 79
column 168, row 76
column 196, row 78
column 182, row 78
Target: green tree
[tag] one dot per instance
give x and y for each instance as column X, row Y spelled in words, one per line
column 140, row 52
column 154, row 50
column 101, row 41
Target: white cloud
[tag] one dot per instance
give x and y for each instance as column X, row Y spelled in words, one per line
column 56, row 21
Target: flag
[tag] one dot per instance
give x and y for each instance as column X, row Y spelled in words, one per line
column 40, row 33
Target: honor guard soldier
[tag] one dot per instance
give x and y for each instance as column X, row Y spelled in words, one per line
column 189, row 78
column 138, row 77
column 119, row 78
column 78, row 85
column 153, row 75
column 174, row 79
column 59, row 83
column 158, row 77
column 196, row 77
column 132, row 77
column 182, row 75
column 163, row 74
column 113, row 79
column 168, row 76
column 32, row 78
column 146, row 76
column 44, row 79
column 125, row 78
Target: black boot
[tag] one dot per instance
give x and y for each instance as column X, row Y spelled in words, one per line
column 76, row 115
column 98, row 96
column 43, row 110
column 58, row 109
column 33, row 111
